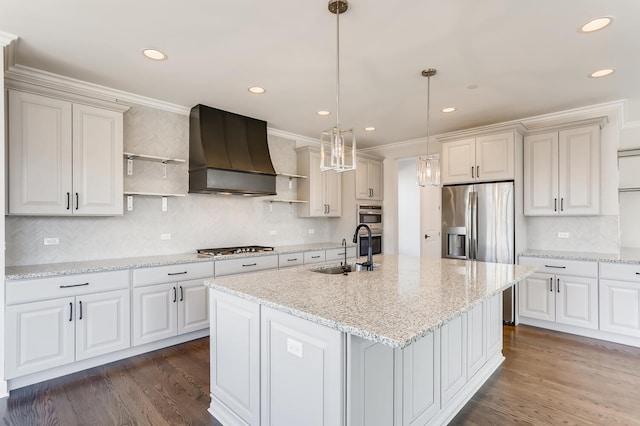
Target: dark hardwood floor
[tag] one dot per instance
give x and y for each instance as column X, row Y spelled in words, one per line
column 547, row 378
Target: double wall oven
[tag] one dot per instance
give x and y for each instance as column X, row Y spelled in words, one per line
column 370, row 214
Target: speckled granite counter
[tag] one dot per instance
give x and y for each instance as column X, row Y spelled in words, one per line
column 102, row 265
column 402, row 300
column 626, row 255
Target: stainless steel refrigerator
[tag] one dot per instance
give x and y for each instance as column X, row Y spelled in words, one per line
column 478, row 224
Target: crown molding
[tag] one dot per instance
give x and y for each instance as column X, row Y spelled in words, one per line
column 20, row 75
column 300, row 140
column 607, row 112
column 509, row 126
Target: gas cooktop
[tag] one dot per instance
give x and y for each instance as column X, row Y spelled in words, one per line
column 233, row 250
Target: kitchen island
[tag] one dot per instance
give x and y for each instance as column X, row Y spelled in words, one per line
column 408, row 343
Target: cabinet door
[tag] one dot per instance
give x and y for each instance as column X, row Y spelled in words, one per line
column 39, row 336
column 376, row 180
column 39, row 154
column 579, row 169
column 620, row 307
column 333, row 193
column 421, row 380
column 536, row 297
column 302, row 367
column 541, row 175
column 235, row 357
column 453, row 357
column 193, row 306
column 495, row 157
column 154, row 313
column 458, row 161
column 97, row 161
column 363, row 188
column 577, row 301
column 102, row 323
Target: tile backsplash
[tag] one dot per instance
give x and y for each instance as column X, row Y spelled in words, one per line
column 194, row 221
column 595, row 234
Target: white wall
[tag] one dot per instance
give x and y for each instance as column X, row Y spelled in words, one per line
column 408, row 208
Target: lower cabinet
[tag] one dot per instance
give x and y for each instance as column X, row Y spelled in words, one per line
column 51, row 333
column 620, row 298
column 453, row 358
column 166, row 310
column 569, row 298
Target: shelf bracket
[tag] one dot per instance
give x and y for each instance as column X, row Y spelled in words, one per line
column 164, row 204
column 129, row 203
column 290, row 185
column 270, row 206
column 164, row 170
column 130, row 166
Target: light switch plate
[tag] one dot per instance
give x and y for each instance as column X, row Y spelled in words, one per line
column 563, row 235
column 51, row 241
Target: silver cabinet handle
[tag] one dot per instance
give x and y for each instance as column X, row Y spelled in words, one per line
column 74, row 285
column 477, row 171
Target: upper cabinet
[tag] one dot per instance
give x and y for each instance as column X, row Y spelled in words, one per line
column 562, row 172
column 480, row 159
column 322, row 190
column 65, row 158
column 369, row 179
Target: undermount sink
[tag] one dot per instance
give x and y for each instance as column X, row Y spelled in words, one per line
column 332, row 269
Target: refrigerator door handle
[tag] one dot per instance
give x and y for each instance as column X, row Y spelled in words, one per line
column 474, row 225
column 469, row 228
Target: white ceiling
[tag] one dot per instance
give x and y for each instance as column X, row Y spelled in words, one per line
column 526, row 57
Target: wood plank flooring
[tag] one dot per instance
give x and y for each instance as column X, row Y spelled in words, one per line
column 548, row 378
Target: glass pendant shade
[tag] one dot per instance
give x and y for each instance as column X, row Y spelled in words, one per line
column 338, row 150
column 429, row 170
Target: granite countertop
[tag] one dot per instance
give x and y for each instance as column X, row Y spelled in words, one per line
column 103, row 265
column 625, row 255
column 402, row 300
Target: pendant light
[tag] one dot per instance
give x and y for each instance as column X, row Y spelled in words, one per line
column 338, row 146
column 428, row 169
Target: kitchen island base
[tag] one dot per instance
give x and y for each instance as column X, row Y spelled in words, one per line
column 271, row 367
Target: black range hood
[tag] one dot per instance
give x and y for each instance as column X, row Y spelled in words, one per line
column 228, row 154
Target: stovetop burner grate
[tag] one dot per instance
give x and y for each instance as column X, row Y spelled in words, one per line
column 233, row 250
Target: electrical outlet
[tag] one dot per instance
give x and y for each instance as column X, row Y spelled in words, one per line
column 312, row 231
column 51, row 241
column 294, row 347
column 164, row 204
column 272, row 232
column 165, row 237
column 563, row 235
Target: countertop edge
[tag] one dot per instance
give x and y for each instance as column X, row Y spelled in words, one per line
column 624, row 256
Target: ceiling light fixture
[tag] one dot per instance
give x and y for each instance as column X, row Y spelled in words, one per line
column 369, row 129
column 334, row 143
column 449, row 109
column 323, row 113
column 602, row 73
column 428, row 169
column 256, row 90
column 596, row 24
column 154, row 54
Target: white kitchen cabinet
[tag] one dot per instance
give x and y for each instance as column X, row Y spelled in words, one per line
column 286, row 260
column 50, row 333
column 245, row 264
column 315, row 256
column 164, row 307
column 369, row 179
column 302, row 367
column 338, row 254
column 480, row 159
column 322, row 190
column 477, row 339
column 620, row 298
column 562, row 297
column 562, row 172
column 453, row 357
column 235, row 359
column 64, row 158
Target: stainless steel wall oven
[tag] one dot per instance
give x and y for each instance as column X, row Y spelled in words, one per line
column 370, row 214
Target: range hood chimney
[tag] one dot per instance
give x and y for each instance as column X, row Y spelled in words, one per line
column 228, row 154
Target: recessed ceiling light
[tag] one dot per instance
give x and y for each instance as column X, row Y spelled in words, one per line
column 323, row 113
column 596, row 24
column 448, row 109
column 369, row 129
column 154, row 54
column 602, row 73
column 256, row 90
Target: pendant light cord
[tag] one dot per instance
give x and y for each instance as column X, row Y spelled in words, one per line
column 428, row 110
column 338, row 67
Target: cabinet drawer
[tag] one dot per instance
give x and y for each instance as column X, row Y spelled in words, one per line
column 290, row 259
column 64, row 286
column 338, row 253
column 172, row 273
column 620, row 271
column 316, row 256
column 245, row 264
column 579, row 268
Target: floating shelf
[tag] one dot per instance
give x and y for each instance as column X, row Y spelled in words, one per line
column 281, row 200
column 163, row 206
column 290, row 176
column 154, row 158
